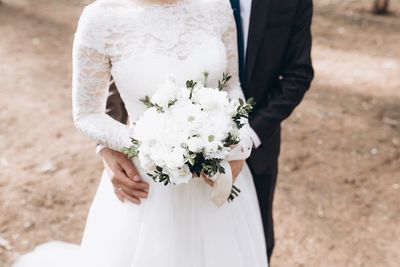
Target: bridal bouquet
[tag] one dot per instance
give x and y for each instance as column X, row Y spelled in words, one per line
column 188, row 130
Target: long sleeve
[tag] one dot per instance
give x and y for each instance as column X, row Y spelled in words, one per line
column 91, row 82
column 229, row 37
column 297, row 74
column 115, row 108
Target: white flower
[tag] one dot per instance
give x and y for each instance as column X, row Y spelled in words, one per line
column 199, row 121
column 168, row 93
column 211, row 99
column 216, row 150
column 195, row 144
column 150, row 125
column 146, row 162
column 176, row 159
column 181, row 175
column 159, row 153
column 217, row 125
column 231, row 109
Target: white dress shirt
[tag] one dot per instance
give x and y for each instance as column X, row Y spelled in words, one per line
column 245, row 11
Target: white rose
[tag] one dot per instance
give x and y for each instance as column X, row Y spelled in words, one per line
column 181, row 175
column 146, row 162
column 211, row 99
column 158, row 153
column 195, row 144
column 217, row 126
column 168, row 92
column 175, row 159
column 150, row 125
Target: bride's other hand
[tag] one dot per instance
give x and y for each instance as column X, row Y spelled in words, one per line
column 128, row 184
column 207, row 180
column 236, row 167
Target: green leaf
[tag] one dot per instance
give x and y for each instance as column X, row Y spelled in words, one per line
column 231, row 140
column 243, row 111
column 172, row 102
column 222, row 83
column 133, row 150
column 147, row 102
column 205, row 74
column 159, row 176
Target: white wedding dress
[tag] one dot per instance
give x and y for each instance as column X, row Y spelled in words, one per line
column 177, row 226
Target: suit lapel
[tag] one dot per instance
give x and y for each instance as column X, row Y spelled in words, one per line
column 258, row 20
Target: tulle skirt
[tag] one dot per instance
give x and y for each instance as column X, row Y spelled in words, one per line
column 176, row 226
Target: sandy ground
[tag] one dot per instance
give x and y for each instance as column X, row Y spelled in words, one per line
column 338, row 195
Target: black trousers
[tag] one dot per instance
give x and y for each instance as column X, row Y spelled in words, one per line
column 265, row 183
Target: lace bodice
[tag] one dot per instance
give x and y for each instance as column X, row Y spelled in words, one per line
column 139, row 46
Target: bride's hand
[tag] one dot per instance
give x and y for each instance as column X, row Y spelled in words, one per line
column 236, row 167
column 128, row 185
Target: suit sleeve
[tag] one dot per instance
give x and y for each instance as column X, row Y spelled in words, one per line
column 115, row 105
column 297, row 73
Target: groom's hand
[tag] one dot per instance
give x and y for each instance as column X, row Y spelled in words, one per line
column 128, row 185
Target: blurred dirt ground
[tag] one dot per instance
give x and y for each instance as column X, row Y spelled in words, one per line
column 338, row 196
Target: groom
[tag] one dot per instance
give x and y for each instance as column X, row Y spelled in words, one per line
column 274, row 41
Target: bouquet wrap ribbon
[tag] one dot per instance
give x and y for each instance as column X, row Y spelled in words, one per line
column 222, row 186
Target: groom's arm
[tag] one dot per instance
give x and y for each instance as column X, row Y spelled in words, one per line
column 115, row 105
column 297, row 73
column 115, row 108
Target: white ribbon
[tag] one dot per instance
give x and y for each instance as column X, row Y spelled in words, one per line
column 222, row 186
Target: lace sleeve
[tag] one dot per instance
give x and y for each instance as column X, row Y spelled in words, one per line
column 229, row 36
column 91, row 81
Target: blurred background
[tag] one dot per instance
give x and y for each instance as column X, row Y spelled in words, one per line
column 338, row 196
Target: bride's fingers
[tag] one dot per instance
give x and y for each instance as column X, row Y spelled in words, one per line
column 236, row 168
column 134, row 193
column 119, row 179
column 207, row 180
column 141, row 186
column 129, row 168
column 129, row 198
column 119, row 195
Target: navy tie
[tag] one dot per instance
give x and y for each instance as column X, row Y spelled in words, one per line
column 236, row 11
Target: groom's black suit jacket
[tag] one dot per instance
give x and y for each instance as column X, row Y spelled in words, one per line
column 278, row 72
column 278, row 69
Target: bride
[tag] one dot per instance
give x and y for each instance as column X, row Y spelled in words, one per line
column 139, row 43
